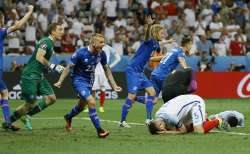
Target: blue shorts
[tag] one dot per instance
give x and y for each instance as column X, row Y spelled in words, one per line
column 82, row 88
column 136, row 81
column 2, row 84
column 157, row 84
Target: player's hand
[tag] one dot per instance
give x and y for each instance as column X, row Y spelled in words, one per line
column 30, row 8
column 171, row 40
column 58, row 84
column 57, row 68
column 149, row 20
column 117, row 88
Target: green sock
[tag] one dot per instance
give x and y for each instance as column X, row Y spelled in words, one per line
column 38, row 108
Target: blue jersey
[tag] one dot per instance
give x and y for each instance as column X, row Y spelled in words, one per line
column 168, row 63
column 142, row 55
column 3, row 33
column 84, row 64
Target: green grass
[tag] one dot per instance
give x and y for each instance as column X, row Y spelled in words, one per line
column 49, row 136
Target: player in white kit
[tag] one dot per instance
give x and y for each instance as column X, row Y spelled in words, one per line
column 101, row 82
column 233, row 118
column 183, row 114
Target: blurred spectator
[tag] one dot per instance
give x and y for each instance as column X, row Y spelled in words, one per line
column 13, row 38
column 96, row 7
column 69, row 7
column 207, row 12
column 45, row 4
column 123, row 6
column 118, row 45
column 30, row 35
column 110, row 9
column 216, row 27
column 68, row 42
column 232, row 28
column 109, row 31
column 200, row 26
column 239, row 17
column 120, row 21
column 43, row 22
column 77, row 26
column 189, row 15
column 205, row 45
column 236, row 46
column 220, row 47
column 171, row 10
column 205, row 63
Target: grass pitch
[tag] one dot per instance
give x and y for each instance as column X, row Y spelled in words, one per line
column 49, row 136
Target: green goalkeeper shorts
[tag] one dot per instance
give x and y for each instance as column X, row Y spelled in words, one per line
column 33, row 88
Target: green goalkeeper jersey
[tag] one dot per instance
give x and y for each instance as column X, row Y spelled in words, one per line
column 34, row 69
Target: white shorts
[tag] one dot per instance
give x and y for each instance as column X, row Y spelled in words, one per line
column 101, row 83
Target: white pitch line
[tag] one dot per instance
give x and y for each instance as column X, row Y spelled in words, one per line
column 137, row 124
column 233, row 133
column 111, row 121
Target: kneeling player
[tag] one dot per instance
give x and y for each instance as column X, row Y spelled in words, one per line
column 233, row 118
column 179, row 82
column 183, row 114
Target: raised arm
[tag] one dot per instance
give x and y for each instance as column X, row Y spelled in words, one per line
column 64, row 74
column 156, row 59
column 149, row 22
column 23, row 21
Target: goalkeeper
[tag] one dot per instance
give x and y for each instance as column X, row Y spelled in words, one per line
column 179, row 82
column 33, row 82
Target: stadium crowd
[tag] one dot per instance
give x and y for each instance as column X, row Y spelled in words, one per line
column 218, row 28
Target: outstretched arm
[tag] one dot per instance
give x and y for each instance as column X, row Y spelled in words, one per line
column 23, row 21
column 110, row 78
column 64, row 74
column 149, row 22
column 156, row 59
column 182, row 62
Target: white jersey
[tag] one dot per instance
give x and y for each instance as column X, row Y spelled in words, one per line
column 101, row 81
column 108, row 51
column 180, row 110
column 226, row 114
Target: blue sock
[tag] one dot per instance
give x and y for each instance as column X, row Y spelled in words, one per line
column 140, row 99
column 94, row 118
column 149, row 106
column 74, row 111
column 6, row 110
column 125, row 108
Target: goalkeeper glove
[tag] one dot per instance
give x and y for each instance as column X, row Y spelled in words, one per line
column 57, row 68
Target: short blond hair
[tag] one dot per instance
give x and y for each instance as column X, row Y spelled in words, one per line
column 154, row 31
column 94, row 36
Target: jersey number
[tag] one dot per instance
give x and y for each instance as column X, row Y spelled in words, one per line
column 164, row 59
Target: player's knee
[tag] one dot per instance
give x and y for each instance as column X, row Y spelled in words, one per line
column 91, row 101
column 151, row 92
column 155, row 100
column 51, row 99
column 131, row 96
column 28, row 106
column 5, row 94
